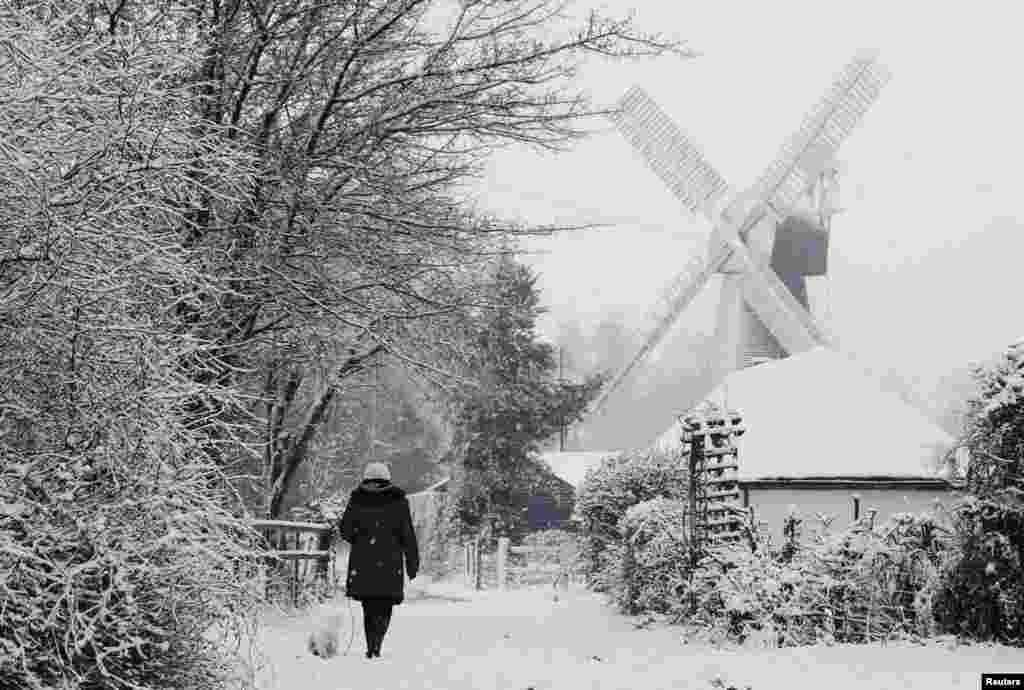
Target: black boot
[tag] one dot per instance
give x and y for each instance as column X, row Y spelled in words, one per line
column 373, row 643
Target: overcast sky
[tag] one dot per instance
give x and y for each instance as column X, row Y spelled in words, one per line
column 921, row 260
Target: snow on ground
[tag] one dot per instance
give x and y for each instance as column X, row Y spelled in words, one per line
column 448, row 638
column 819, row 414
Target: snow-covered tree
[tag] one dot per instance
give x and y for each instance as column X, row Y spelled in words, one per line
column 519, row 404
column 120, row 545
column 995, row 423
column 984, row 590
column 366, row 120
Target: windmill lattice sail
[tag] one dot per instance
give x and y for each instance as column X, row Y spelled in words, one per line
column 669, row 152
column 805, row 154
column 684, row 288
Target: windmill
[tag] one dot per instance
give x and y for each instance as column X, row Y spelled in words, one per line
column 763, row 242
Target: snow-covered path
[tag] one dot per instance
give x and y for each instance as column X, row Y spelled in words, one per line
column 522, row 639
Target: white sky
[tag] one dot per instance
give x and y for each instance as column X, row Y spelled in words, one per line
column 933, row 164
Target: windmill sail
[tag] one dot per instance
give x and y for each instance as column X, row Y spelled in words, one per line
column 792, row 325
column 684, row 289
column 672, row 155
column 823, row 130
column 802, row 157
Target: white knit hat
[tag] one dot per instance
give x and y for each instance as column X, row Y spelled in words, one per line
column 377, row 470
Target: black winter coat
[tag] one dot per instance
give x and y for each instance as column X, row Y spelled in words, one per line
column 378, row 524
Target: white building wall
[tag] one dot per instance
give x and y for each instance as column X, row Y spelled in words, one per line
column 772, row 505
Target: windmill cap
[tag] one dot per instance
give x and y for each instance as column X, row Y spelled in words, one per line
column 376, row 470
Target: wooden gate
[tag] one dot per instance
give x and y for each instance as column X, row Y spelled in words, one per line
column 553, row 564
column 521, row 566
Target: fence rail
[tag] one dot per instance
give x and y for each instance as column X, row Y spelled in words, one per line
column 299, row 554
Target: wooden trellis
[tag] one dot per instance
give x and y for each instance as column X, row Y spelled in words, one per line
column 714, row 510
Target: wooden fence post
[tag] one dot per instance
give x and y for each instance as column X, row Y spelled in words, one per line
column 501, row 560
column 478, row 563
column 565, row 562
column 323, row 564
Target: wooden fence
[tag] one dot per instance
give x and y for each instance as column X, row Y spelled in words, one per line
column 518, row 566
column 300, row 555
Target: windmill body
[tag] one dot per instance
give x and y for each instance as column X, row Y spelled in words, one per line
column 765, row 241
column 795, row 249
column 769, row 348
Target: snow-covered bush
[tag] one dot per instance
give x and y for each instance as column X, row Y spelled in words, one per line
column 122, row 562
column 114, row 571
column 605, row 495
column 982, row 590
column 736, row 592
column 865, row 583
column 983, row 587
column 655, row 556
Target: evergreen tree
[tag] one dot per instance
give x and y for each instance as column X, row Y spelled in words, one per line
column 520, row 403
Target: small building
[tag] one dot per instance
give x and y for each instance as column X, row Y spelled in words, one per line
column 824, row 438
column 552, row 507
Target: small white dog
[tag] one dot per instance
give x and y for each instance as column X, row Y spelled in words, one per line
column 323, row 642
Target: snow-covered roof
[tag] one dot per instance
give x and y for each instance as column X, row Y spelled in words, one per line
column 818, row 414
column 573, row 466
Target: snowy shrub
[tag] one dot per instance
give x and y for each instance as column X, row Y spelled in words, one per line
column 735, row 592
column 121, row 564
column 114, row 572
column 865, row 583
column 605, row 495
column 655, row 557
column 982, row 593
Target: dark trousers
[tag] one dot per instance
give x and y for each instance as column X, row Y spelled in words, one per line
column 376, row 619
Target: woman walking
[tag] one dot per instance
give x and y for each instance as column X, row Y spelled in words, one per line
column 378, row 524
